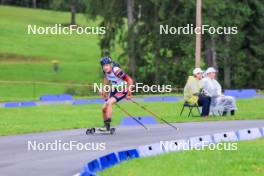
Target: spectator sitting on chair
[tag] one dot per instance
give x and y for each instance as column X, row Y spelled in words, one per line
column 214, row 90
column 193, row 95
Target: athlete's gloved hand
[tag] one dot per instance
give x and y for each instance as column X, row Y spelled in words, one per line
column 104, row 95
column 129, row 96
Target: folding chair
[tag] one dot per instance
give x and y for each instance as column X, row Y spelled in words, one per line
column 190, row 106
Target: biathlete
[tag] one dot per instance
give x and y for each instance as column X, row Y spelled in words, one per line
column 120, row 83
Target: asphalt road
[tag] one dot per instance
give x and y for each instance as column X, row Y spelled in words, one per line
column 16, row 159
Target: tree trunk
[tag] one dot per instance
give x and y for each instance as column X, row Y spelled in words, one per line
column 198, row 37
column 156, row 57
column 73, row 12
column 34, row 3
column 210, row 53
column 227, row 71
column 131, row 40
column 227, row 68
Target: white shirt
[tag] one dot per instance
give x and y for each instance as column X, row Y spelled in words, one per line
column 211, row 87
column 112, row 76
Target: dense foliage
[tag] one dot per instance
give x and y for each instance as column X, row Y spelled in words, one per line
column 170, row 58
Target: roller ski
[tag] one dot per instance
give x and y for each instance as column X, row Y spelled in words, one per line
column 106, row 129
column 101, row 130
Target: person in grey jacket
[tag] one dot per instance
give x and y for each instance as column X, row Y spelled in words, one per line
column 214, row 90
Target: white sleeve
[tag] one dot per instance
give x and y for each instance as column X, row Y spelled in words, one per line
column 206, row 87
column 219, row 88
column 115, row 69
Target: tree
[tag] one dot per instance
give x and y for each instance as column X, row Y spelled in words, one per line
column 169, row 59
column 34, row 3
column 131, row 39
column 225, row 50
column 73, row 6
column 155, row 54
column 251, row 70
column 73, row 12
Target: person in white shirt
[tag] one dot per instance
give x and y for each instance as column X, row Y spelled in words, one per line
column 214, row 90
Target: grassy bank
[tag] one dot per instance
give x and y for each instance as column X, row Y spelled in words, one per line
column 57, row 117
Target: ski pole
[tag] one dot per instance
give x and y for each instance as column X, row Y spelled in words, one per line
column 122, row 109
column 154, row 114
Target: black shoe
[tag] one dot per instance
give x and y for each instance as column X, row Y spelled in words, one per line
column 232, row 112
column 107, row 124
column 103, row 129
column 224, row 113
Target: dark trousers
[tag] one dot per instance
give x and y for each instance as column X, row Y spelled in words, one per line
column 205, row 103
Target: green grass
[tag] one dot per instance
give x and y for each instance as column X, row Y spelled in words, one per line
column 20, row 92
column 26, row 57
column 78, row 54
column 247, row 160
column 46, row 118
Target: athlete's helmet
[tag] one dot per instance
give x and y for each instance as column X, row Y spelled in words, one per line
column 105, row 60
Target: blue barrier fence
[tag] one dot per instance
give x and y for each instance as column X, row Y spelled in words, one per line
column 19, row 104
column 146, row 120
column 62, row 98
column 241, row 93
column 58, row 97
